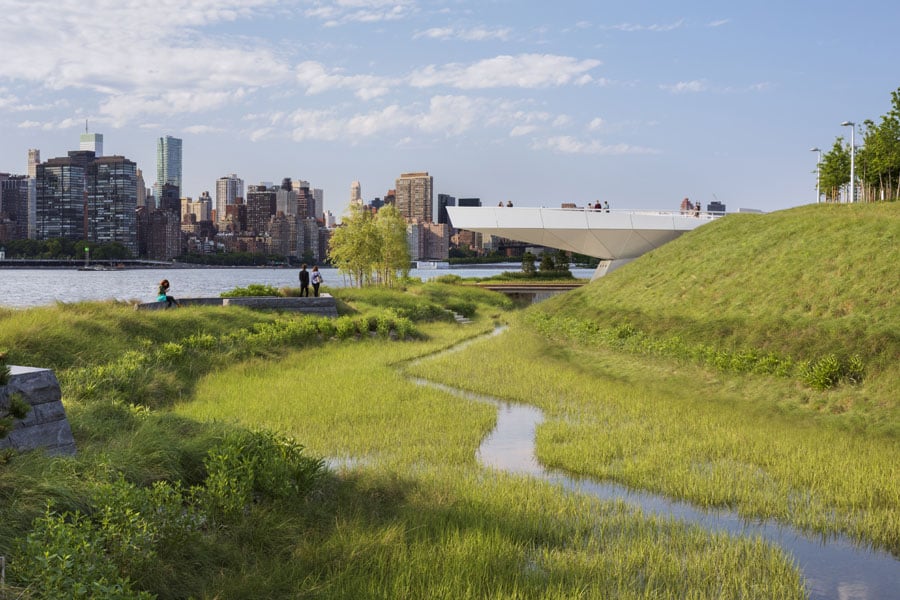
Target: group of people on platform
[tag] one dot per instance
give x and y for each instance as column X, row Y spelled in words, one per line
column 688, row 208
column 598, row 206
column 307, row 277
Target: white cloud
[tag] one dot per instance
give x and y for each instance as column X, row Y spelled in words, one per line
column 685, row 87
column 67, row 123
column 630, row 27
column 478, row 34
column 522, row 71
column 317, row 80
column 136, row 51
column 596, row 124
column 520, row 130
column 718, row 23
column 436, row 33
column 443, row 116
column 202, row 129
column 474, row 34
column 566, row 144
column 340, row 12
column 122, row 107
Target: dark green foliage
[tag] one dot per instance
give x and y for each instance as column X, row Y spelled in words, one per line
column 248, row 467
column 830, row 370
column 132, row 530
column 254, row 289
column 824, row 373
column 15, row 408
column 528, row 263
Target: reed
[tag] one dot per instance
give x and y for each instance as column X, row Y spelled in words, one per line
column 711, row 438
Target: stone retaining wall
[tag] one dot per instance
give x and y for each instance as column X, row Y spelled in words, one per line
column 323, row 305
column 45, row 426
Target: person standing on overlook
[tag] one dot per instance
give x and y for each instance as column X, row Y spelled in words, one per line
column 316, row 280
column 304, row 281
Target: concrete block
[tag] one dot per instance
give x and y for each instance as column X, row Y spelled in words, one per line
column 46, row 425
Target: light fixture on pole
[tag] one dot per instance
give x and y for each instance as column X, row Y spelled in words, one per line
column 818, row 167
column 852, row 127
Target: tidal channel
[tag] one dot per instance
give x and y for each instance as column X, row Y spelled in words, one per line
column 834, row 567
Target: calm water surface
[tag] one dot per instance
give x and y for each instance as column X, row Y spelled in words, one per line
column 35, row 287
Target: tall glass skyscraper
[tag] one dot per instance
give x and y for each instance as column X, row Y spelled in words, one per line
column 168, row 162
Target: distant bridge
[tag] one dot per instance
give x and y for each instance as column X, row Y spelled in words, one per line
column 614, row 236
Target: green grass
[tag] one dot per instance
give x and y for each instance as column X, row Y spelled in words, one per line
column 169, row 500
column 166, row 490
column 451, row 530
column 826, row 273
column 713, row 439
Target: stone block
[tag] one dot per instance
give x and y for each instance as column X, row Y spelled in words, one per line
column 46, row 425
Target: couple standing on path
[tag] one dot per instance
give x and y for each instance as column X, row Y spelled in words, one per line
column 305, row 280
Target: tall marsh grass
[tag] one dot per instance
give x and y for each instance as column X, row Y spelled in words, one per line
column 713, row 440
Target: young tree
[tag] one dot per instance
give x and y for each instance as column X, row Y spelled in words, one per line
column 354, row 246
column 547, row 263
column 835, row 170
column 393, row 260
column 528, row 263
column 371, row 249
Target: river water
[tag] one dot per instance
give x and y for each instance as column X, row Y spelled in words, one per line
column 35, row 287
column 834, row 567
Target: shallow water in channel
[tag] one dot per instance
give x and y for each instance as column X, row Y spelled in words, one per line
column 835, row 568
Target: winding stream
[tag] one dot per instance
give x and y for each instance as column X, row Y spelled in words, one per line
column 834, row 567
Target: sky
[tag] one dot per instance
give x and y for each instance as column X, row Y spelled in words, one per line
column 638, row 104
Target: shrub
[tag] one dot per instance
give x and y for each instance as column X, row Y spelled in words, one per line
column 250, row 466
column 68, row 556
column 254, row 289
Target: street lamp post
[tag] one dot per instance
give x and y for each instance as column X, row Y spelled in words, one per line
column 818, row 167
column 852, row 127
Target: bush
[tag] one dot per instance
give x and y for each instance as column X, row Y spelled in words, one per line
column 251, row 466
column 254, row 289
column 69, row 556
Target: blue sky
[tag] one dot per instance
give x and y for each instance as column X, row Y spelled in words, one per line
column 636, row 103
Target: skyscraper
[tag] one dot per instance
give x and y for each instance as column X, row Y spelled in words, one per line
column 414, row 197
column 319, row 201
column 444, row 200
column 34, row 159
column 141, row 190
column 356, row 194
column 14, row 194
column 111, row 183
column 228, row 188
column 92, row 142
column 61, row 197
column 168, row 162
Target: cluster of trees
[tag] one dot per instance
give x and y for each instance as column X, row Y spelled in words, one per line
column 371, row 249
column 61, row 249
column 552, row 264
column 877, row 160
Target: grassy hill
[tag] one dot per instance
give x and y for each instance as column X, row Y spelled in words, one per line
column 803, row 283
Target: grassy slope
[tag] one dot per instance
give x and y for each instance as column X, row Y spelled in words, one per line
column 805, row 282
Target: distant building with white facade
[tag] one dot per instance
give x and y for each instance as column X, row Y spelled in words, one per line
column 227, row 189
column 92, row 142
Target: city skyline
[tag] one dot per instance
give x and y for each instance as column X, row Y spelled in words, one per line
column 638, row 105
